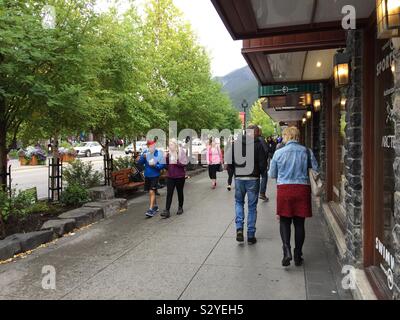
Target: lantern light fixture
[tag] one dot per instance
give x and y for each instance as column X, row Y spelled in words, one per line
column 309, row 114
column 317, row 103
column 343, row 102
column 388, row 18
column 341, row 65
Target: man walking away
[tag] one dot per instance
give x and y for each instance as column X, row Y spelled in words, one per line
column 264, row 175
column 153, row 162
column 249, row 160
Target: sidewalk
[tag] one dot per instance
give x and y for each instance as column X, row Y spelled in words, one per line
column 193, row 256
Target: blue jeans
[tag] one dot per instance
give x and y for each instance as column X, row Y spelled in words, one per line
column 252, row 189
column 264, row 182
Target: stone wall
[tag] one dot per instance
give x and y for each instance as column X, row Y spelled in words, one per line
column 353, row 156
column 322, row 148
column 396, row 168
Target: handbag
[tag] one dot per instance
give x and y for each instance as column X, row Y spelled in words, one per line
column 317, row 185
column 221, row 168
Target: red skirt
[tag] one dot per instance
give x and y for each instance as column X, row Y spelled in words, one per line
column 294, row 200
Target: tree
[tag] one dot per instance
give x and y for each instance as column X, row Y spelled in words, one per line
column 180, row 80
column 260, row 118
column 117, row 99
column 42, row 78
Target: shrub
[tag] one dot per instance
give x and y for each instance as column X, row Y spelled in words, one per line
column 5, row 205
column 123, row 163
column 74, row 195
column 82, row 174
column 13, row 154
column 39, row 207
column 18, row 205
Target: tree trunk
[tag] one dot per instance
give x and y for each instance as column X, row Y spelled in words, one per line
column 134, row 145
column 3, row 156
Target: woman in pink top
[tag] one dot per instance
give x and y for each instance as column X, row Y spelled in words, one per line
column 214, row 160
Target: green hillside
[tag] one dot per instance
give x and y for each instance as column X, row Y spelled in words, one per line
column 240, row 84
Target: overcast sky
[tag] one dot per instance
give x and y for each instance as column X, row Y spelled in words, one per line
column 224, row 52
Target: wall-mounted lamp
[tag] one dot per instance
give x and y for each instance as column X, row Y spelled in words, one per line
column 308, row 99
column 304, row 120
column 343, row 102
column 317, row 103
column 309, row 114
column 341, row 67
column 388, row 18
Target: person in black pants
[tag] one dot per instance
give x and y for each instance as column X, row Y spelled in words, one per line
column 176, row 162
column 228, row 168
column 300, row 235
column 214, row 160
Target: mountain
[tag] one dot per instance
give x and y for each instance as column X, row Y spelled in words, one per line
column 240, row 84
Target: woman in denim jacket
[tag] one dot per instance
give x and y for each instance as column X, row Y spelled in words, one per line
column 289, row 167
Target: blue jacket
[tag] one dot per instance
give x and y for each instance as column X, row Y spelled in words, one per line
column 290, row 164
column 149, row 171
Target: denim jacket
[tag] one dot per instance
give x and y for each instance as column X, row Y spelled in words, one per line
column 290, row 164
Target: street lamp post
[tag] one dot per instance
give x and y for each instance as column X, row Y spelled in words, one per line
column 245, row 105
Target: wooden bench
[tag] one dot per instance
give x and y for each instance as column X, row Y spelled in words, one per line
column 121, row 180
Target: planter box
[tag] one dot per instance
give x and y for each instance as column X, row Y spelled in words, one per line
column 68, row 158
column 33, row 162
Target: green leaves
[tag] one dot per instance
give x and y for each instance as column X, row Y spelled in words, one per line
column 100, row 72
column 259, row 117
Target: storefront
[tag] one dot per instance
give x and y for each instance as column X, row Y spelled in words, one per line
column 355, row 130
column 382, row 234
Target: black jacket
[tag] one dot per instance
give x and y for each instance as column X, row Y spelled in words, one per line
column 259, row 158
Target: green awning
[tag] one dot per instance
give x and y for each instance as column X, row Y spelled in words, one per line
column 281, row 90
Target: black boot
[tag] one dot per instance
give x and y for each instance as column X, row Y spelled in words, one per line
column 287, row 256
column 298, row 258
column 165, row 214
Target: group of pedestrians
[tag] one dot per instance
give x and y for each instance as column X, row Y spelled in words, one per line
column 250, row 160
column 154, row 162
column 289, row 164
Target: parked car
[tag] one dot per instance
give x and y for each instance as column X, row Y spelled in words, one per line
column 89, row 148
column 140, row 147
column 129, row 149
column 198, row 146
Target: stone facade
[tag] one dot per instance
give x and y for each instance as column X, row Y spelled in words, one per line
column 396, row 168
column 353, row 154
column 322, row 148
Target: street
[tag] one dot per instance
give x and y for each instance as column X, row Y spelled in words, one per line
column 25, row 177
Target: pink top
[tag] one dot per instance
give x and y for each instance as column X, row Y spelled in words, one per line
column 214, row 155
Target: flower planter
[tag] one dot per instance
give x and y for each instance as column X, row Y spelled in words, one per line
column 23, row 161
column 68, row 158
column 32, row 162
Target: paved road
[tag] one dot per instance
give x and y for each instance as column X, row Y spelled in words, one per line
column 193, row 256
column 24, row 177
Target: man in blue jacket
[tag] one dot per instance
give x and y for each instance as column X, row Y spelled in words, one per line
column 153, row 161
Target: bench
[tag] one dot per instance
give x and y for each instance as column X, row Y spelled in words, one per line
column 121, row 180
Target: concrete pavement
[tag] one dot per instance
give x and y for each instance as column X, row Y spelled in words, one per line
column 193, row 256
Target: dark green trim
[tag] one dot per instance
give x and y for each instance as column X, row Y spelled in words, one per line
column 281, row 90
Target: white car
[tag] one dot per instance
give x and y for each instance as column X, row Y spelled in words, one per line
column 129, row 149
column 140, row 147
column 89, row 148
column 198, row 146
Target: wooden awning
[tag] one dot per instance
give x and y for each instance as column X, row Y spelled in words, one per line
column 249, row 19
column 287, row 41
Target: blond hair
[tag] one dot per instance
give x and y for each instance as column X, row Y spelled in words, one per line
column 291, row 134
